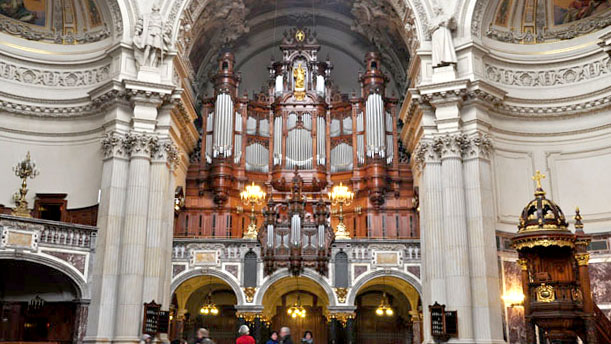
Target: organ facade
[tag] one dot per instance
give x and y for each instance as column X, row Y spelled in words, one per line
column 297, row 139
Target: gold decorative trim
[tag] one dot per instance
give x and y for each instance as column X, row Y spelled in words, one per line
column 523, row 264
column 582, row 259
column 543, row 243
column 545, row 293
column 249, row 292
column 248, row 316
column 342, row 317
column 341, row 294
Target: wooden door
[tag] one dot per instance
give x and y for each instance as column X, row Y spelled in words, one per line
column 314, row 322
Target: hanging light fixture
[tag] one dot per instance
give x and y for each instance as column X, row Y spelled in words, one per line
column 209, row 308
column 297, row 310
column 384, row 308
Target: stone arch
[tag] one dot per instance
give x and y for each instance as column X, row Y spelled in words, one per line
column 222, row 275
column 284, row 273
column 81, row 284
column 174, row 13
column 379, row 274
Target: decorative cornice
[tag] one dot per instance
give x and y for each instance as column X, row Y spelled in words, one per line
column 19, row 29
column 605, row 42
column 581, row 27
column 58, row 78
column 548, row 77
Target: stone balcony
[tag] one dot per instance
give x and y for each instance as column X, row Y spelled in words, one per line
column 66, row 247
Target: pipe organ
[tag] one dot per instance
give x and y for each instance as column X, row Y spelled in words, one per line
column 301, row 128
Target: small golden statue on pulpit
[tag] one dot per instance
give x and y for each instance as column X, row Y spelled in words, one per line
column 299, row 75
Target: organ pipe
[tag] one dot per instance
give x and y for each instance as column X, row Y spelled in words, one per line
column 223, row 125
column 375, row 133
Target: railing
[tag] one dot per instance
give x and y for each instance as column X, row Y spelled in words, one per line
column 362, row 248
column 60, row 234
column 230, row 247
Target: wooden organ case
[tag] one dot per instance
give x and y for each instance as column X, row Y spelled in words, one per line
column 297, row 140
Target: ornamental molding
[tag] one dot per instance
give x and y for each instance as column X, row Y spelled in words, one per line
column 141, row 144
column 54, row 78
column 548, row 77
column 583, row 106
column 15, row 28
column 452, row 145
column 476, row 20
column 60, row 108
column 460, row 145
column 477, row 146
column 579, row 28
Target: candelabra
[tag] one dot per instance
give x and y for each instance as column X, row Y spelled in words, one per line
column 24, row 169
column 341, row 196
column 252, row 195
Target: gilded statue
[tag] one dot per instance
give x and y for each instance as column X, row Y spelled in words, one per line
column 299, row 75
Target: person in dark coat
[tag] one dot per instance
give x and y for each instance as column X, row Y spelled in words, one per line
column 273, row 338
column 285, row 336
column 203, row 337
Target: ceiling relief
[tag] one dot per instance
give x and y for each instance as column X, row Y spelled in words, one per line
column 252, row 29
column 56, row 21
column 537, row 21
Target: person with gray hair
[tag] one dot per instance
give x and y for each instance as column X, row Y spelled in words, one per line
column 285, row 336
column 203, row 337
column 245, row 337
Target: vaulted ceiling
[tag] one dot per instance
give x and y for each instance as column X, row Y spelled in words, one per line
column 252, row 30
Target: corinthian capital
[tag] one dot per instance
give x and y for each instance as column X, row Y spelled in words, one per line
column 141, row 144
column 113, row 145
column 166, row 151
column 452, row 145
column 478, row 146
column 426, row 152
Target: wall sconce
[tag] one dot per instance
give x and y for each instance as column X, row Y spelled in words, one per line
column 513, row 298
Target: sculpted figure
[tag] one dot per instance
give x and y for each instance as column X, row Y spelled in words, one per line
column 150, row 40
column 299, row 75
column 444, row 53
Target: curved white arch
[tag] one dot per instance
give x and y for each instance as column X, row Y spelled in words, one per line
column 222, row 275
column 284, row 273
column 382, row 273
column 82, row 287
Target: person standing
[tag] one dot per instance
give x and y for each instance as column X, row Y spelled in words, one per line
column 307, row 338
column 203, row 337
column 273, row 338
column 285, row 336
column 245, row 337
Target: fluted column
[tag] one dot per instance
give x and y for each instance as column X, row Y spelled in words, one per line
column 427, row 157
column 487, row 322
column 456, row 238
column 156, row 237
column 133, row 239
column 105, row 272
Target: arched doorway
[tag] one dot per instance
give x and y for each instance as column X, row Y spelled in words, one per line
column 401, row 326
column 190, row 300
column 39, row 304
column 288, row 291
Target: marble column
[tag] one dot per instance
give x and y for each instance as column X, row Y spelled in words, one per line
column 156, row 239
column 456, row 238
column 133, row 240
column 487, row 321
column 350, row 335
column 105, row 274
column 332, row 331
column 427, row 156
column 80, row 321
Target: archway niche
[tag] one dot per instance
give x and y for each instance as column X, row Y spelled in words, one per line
column 284, row 293
column 39, row 304
column 189, row 299
column 403, row 326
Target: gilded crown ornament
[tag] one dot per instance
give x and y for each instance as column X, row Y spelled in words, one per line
column 24, row 169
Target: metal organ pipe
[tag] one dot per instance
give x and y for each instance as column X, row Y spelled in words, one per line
column 374, row 111
column 277, row 140
column 321, row 141
column 238, row 138
column 223, row 125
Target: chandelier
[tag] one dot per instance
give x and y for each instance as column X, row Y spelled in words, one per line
column 252, row 195
column 209, row 308
column 340, row 195
column 384, row 308
column 297, row 310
